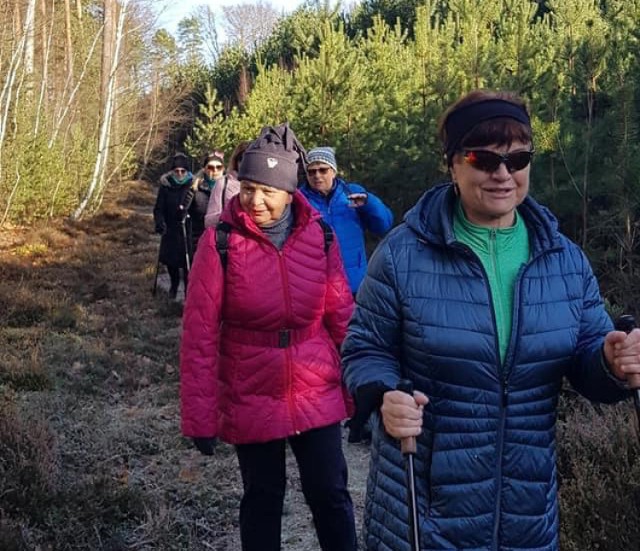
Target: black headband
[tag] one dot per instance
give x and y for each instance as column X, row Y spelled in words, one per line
column 458, row 124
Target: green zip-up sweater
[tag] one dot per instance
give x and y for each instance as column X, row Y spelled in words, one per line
column 502, row 252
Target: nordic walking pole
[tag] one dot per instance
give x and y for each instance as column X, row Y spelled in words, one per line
column 627, row 323
column 183, row 223
column 409, row 448
column 155, row 279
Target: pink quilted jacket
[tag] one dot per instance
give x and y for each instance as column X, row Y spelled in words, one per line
column 259, row 354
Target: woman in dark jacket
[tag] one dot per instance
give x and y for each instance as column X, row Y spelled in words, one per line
column 485, row 307
column 205, row 183
column 169, row 215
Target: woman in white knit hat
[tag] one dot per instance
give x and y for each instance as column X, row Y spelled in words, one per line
column 348, row 208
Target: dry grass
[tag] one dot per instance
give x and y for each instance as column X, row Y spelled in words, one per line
column 599, row 460
column 91, row 453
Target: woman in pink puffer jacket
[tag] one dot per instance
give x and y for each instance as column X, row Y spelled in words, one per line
column 259, row 357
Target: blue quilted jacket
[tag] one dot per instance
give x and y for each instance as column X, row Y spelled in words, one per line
column 350, row 224
column 486, row 461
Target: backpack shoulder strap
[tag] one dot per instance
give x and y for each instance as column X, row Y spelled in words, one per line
column 223, row 229
column 328, row 234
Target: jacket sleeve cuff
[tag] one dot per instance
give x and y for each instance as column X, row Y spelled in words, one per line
column 368, row 398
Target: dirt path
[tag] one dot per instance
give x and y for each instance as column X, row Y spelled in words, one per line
column 89, row 412
column 298, row 533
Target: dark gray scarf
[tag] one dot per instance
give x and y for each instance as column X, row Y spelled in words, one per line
column 277, row 232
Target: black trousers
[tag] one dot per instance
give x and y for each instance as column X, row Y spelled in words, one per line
column 323, row 474
column 174, row 276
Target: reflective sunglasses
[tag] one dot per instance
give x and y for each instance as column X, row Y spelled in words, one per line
column 321, row 170
column 214, row 167
column 488, row 161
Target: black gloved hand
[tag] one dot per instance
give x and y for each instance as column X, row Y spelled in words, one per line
column 358, row 432
column 161, row 228
column 188, row 197
column 183, row 208
column 205, row 445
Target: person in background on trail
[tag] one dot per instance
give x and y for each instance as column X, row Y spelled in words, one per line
column 267, row 309
column 205, row 192
column 481, row 302
column 226, row 185
column 348, row 208
column 169, row 214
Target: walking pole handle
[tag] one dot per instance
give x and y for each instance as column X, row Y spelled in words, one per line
column 627, row 323
column 407, row 445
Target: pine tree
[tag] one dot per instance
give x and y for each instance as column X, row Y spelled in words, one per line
column 209, row 131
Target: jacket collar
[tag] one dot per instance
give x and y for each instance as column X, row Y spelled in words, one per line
column 338, row 183
column 432, row 219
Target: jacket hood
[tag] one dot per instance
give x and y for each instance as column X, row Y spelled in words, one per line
column 431, row 218
column 164, row 180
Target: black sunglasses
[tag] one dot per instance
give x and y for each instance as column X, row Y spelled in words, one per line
column 322, row 170
column 488, row 161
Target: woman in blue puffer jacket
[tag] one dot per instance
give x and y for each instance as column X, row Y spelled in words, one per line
column 485, row 307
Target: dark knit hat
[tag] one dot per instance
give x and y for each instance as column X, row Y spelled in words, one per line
column 180, row 160
column 273, row 158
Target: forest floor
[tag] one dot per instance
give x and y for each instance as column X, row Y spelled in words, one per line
column 92, row 456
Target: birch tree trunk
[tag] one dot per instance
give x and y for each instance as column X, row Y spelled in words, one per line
column 79, row 11
column 98, row 178
column 8, row 94
column 30, row 40
column 69, row 41
column 46, row 50
column 17, row 21
column 108, row 46
column 67, row 103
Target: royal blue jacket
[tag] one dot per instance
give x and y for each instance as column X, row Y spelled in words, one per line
column 350, row 223
column 486, row 461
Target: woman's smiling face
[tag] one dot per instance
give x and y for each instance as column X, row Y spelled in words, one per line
column 490, row 198
column 263, row 204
